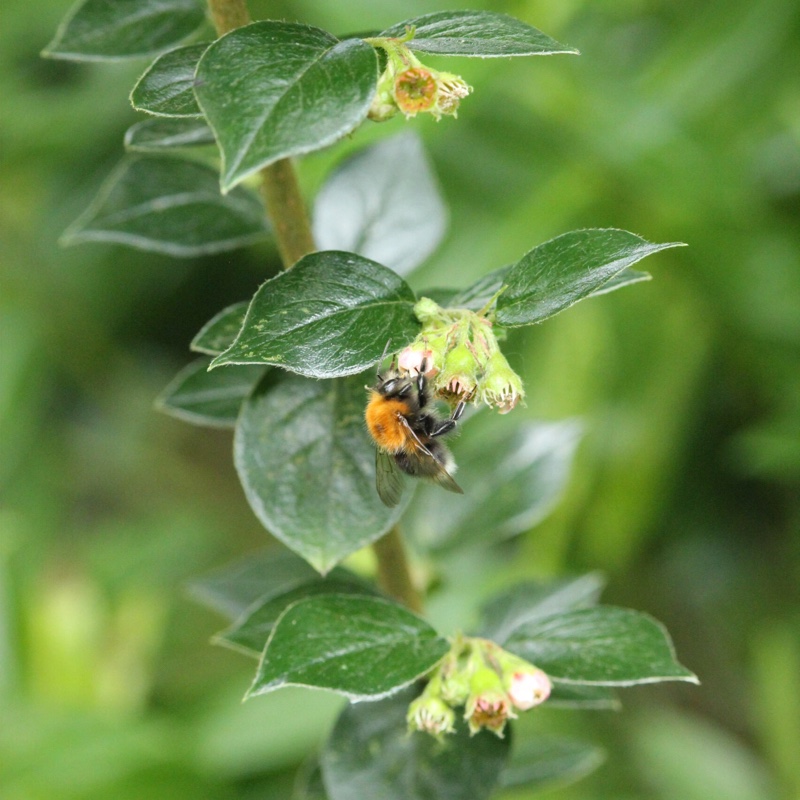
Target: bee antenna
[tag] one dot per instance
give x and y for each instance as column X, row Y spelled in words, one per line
column 383, row 355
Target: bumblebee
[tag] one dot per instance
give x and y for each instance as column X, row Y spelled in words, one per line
column 406, row 427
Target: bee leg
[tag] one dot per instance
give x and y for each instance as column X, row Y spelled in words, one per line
column 458, row 411
column 442, row 426
column 422, row 383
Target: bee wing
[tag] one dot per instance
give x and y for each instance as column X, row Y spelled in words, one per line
column 388, row 479
column 438, row 474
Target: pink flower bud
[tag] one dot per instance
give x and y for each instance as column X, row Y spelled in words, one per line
column 412, row 361
column 528, row 689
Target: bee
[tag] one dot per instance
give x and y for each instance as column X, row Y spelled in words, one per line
column 406, row 427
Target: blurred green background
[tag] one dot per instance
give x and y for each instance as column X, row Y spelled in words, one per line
column 677, row 122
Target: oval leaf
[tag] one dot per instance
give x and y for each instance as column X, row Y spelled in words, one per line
column 371, row 755
column 603, row 645
column 512, row 479
column 172, row 206
column 233, row 588
column 361, row 647
column 543, row 762
column 272, row 90
column 330, row 315
column 167, row 87
column 484, row 34
column 307, row 465
column 559, row 273
column 532, row 600
column 209, row 398
column 364, row 206
column 249, row 634
column 154, row 135
column 579, row 695
column 98, row 30
column 220, row 332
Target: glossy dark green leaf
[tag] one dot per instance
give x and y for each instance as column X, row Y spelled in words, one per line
column 371, row 755
column 220, row 332
column 331, row 314
column 167, row 87
column 209, row 398
column 274, row 89
column 362, row 647
column 559, row 273
column 532, row 600
column 307, row 466
column 251, row 630
column 172, row 206
column 383, row 203
column 543, row 762
column 484, row 34
column 156, row 135
column 602, row 645
column 258, row 576
column 112, row 29
column 512, row 476
column 484, row 289
column 581, row 695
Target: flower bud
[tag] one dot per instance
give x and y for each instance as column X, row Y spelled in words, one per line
column 430, row 715
column 459, row 376
column 501, row 386
column 528, row 688
column 488, row 705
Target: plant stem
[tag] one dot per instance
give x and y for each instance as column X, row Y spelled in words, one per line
column 394, row 575
column 287, row 212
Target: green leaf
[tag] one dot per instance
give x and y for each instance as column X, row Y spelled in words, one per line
column 603, row 645
column 533, row 600
column 233, row 588
column 172, row 206
column 544, row 762
column 578, row 695
column 307, row 466
column 250, row 632
column 512, row 476
column 330, row 315
column 485, row 34
column 383, row 203
column 155, row 135
column 220, row 332
column 167, row 87
column 208, row 398
column 625, row 278
column 371, row 755
column 559, row 273
column 361, row 647
column 99, row 30
column 271, row 90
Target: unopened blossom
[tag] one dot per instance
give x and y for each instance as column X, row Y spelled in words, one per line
column 528, row 688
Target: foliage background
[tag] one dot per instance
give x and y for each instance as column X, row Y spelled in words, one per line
column 676, row 122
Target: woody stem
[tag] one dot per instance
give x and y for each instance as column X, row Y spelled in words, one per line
column 287, row 213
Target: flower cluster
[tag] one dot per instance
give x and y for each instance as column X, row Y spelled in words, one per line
column 407, row 85
column 462, row 357
column 488, row 681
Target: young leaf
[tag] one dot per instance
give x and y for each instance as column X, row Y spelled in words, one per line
column 370, row 754
column 167, row 87
column 209, row 398
column 234, row 588
column 484, row 34
column 220, row 332
column 543, row 762
column 559, row 273
column 602, row 645
column 526, row 602
column 271, row 90
column 97, row 30
column 249, row 634
column 512, row 478
column 155, row 135
column 361, row 647
column 172, row 206
column 384, row 204
column 330, row 315
column 307, row 466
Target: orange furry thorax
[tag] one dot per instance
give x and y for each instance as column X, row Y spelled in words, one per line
column 383, row 423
